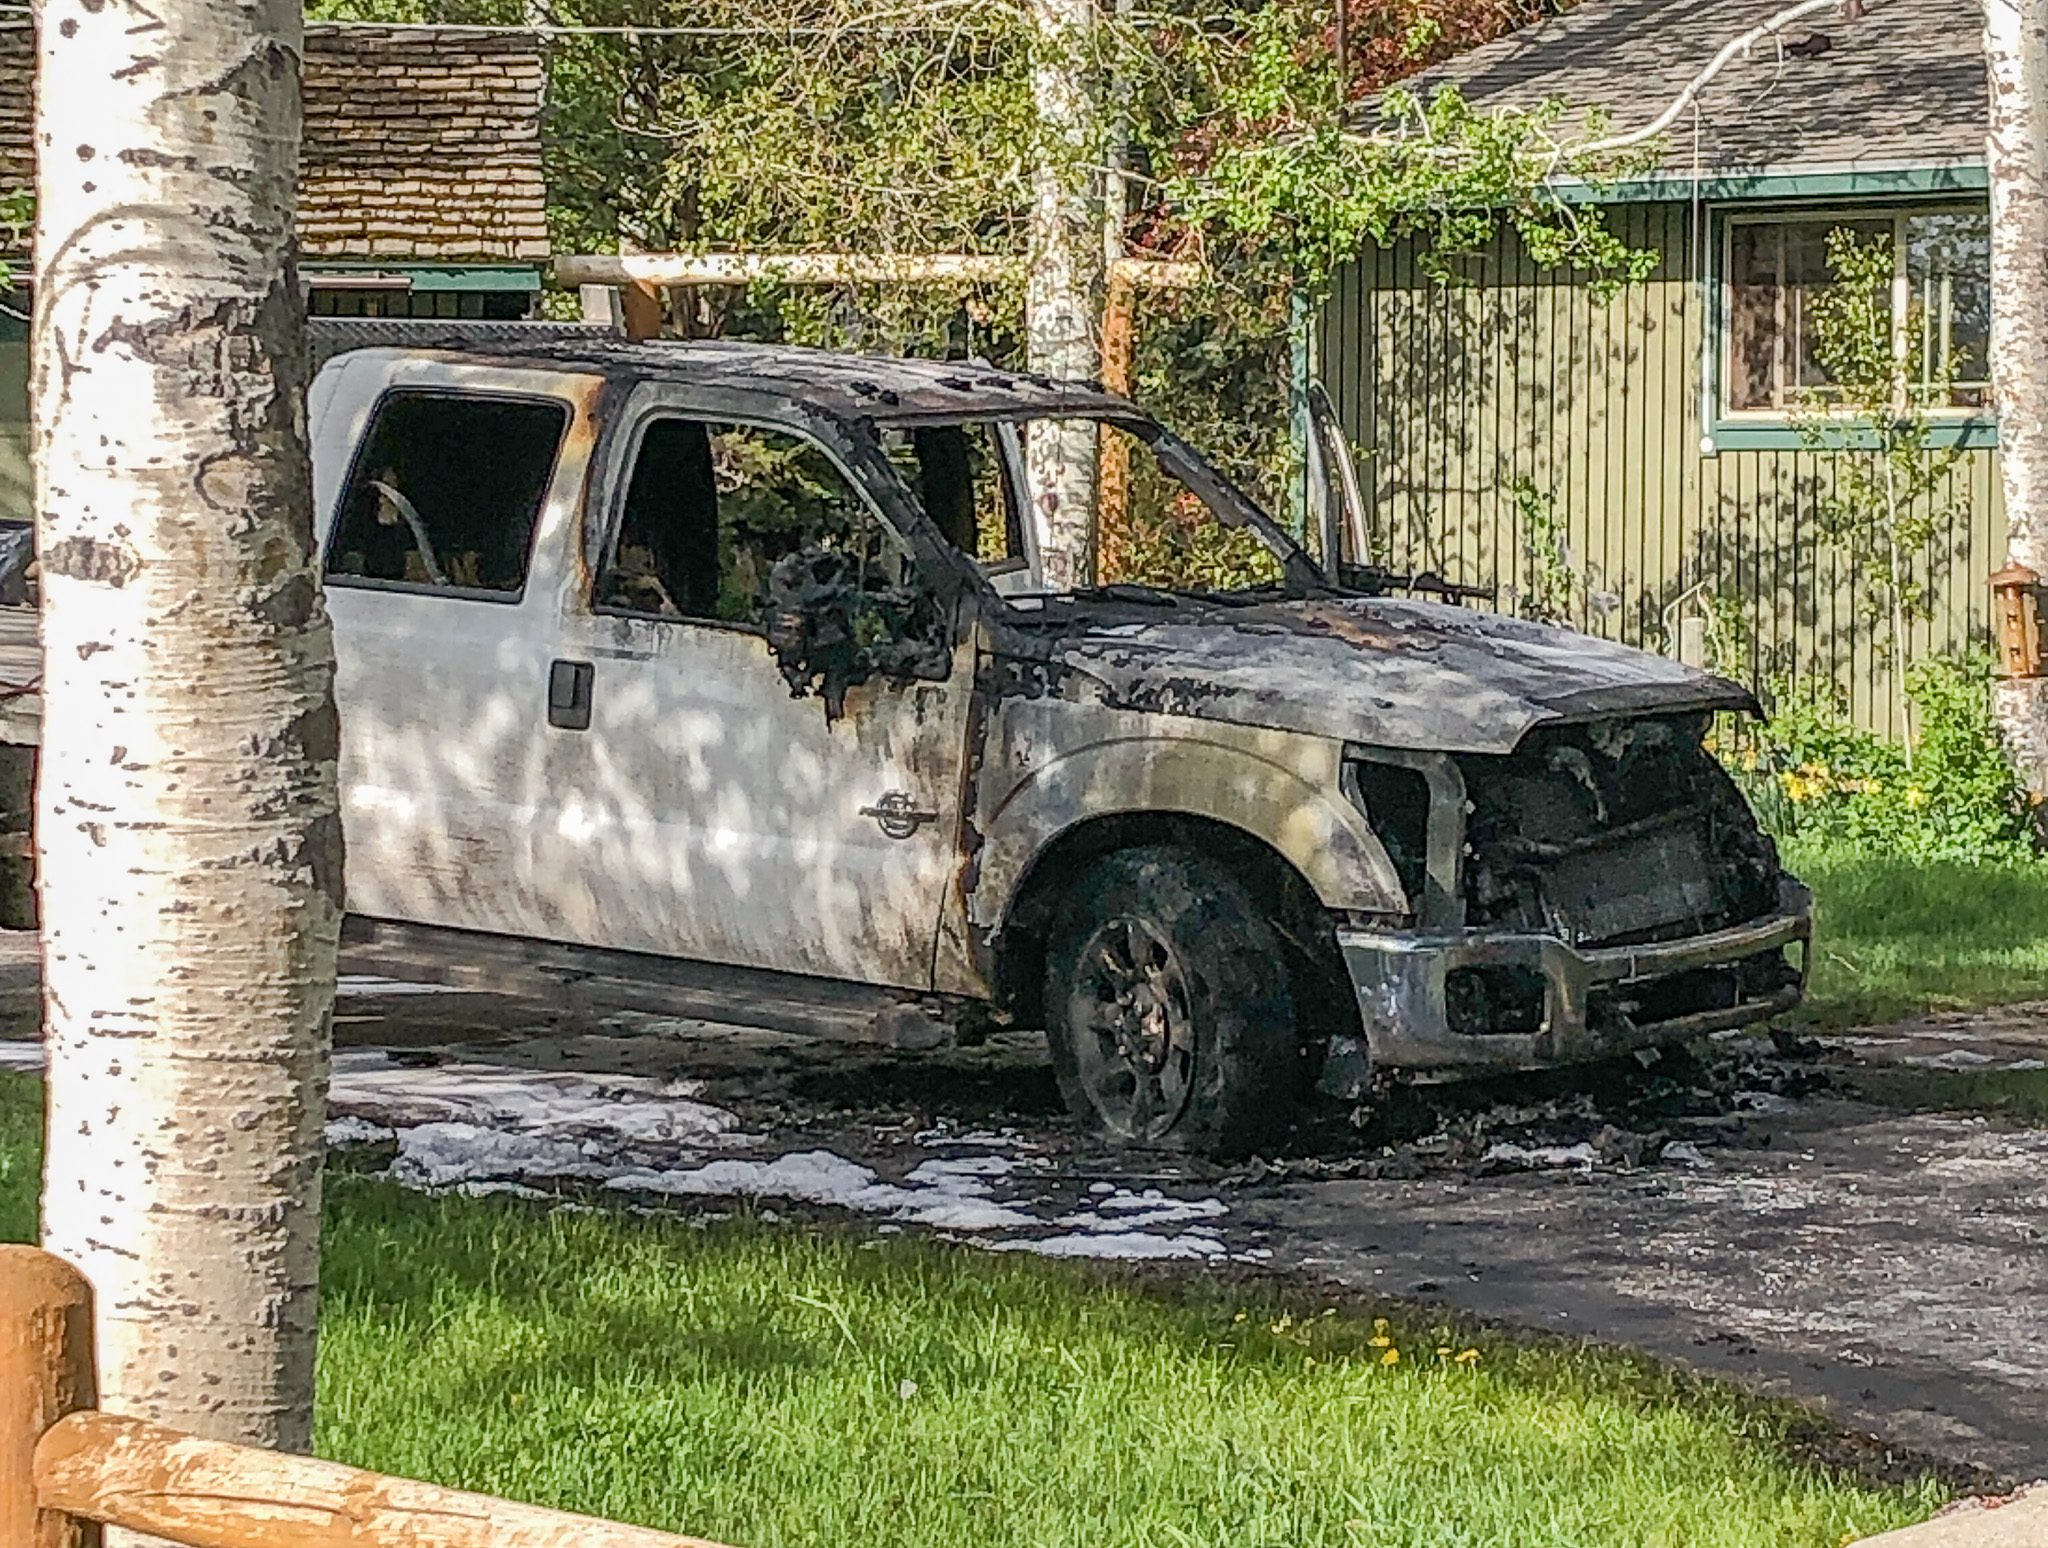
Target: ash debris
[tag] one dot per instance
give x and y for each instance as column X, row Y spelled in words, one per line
column 1671, row 1109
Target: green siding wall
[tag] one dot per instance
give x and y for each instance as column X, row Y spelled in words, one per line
column 1453, row 393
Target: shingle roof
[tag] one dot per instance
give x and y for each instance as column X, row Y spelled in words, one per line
column 419, row 145
column 1903, row 86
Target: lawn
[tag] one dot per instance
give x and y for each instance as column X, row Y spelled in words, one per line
column 771, row 1385
column 1895, row 937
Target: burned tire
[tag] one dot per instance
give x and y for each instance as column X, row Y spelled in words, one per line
column 1168, row 1006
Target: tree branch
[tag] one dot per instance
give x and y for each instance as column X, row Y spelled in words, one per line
column 1734, row 49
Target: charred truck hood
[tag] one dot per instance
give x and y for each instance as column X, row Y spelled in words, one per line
column 1384, row 672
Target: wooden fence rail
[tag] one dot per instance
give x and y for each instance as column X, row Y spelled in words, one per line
column 66, row 1469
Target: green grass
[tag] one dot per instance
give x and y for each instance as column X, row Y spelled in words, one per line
column 1895, row 938
column 2020, row 1096
column 753, row 1383
column 21, row 1151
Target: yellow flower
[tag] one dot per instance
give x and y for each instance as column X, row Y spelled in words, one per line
column 1467, row 1357
column 1380, row 1341
column 1391, row 1357
column 1915, row 797
column 1443, row 1349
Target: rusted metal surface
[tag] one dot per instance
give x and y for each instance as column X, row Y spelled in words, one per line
column 1051, row 762
column 1403, row 978
column 882, row 389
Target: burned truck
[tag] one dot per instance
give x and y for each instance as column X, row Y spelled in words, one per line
column 727, row 680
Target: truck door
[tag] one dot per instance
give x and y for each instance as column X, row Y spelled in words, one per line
column 702, row 801
column 447, row 493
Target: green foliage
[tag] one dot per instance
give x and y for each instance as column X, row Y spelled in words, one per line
column 1818, row 777
column 784, row 125
column 1552, row 588
column 17, row 220
column 1883, row 502
column 1288, row 184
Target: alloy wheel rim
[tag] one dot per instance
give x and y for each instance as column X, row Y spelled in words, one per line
column 1134, row 1040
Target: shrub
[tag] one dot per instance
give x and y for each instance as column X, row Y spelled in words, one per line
column 1817, row 776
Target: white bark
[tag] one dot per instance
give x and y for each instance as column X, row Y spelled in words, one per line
column 2016, row 51
column 1063, row 292
column 189, row 840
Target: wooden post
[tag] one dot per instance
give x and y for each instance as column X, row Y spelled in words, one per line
column 46, row 1372
column 640, row 302
column 1113, row 478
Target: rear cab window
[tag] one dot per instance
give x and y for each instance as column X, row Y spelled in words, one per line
column 445, row 494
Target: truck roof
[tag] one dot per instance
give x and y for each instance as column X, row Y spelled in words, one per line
column 874, row 387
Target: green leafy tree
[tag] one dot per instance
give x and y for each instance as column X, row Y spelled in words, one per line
column 779, row 125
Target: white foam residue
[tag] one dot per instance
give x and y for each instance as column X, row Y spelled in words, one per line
column 952, row 1169
column 21, row 1056
column 443, row 1155
column 1954, row 1059
column 1121, row 1210
column 943, row 1201
column 1130, row 1246
column 345, row 1131
column 1506, row 1153
column 623, row 1109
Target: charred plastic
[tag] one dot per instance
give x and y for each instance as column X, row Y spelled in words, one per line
column 1609, row 834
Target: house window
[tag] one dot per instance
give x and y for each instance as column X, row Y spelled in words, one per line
column 1776, row 266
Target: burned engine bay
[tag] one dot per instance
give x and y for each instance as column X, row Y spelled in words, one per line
column 1613, row 834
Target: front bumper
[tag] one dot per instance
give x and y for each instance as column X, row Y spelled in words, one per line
column 1401, row 981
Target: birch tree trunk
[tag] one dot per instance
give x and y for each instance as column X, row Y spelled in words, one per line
column 2016, row 52
column 1064, row 291
column 190, row 845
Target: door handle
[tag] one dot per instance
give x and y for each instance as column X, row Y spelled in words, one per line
column 570, row 685
column 896, row 817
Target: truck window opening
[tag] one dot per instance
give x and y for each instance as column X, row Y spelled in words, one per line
column 957, row 474
column 447, row 493
column 711, row 509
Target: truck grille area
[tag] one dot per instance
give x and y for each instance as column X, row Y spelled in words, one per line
column 1615, row 833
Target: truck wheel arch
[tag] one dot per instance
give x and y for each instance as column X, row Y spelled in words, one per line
column 1287, row 822
column 1300, row 815
column 1018, row 947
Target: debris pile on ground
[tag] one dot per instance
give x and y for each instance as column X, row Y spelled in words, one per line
column 1669, row 1109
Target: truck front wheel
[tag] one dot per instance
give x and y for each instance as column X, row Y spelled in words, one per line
column 1169, row 1008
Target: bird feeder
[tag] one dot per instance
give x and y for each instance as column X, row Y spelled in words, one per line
column 2016, row 598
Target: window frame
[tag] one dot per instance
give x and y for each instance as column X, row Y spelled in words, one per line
column 1949, row 418
column 329, row 578
column 621, row 485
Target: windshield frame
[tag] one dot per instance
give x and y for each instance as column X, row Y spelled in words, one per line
column 1225, row 500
